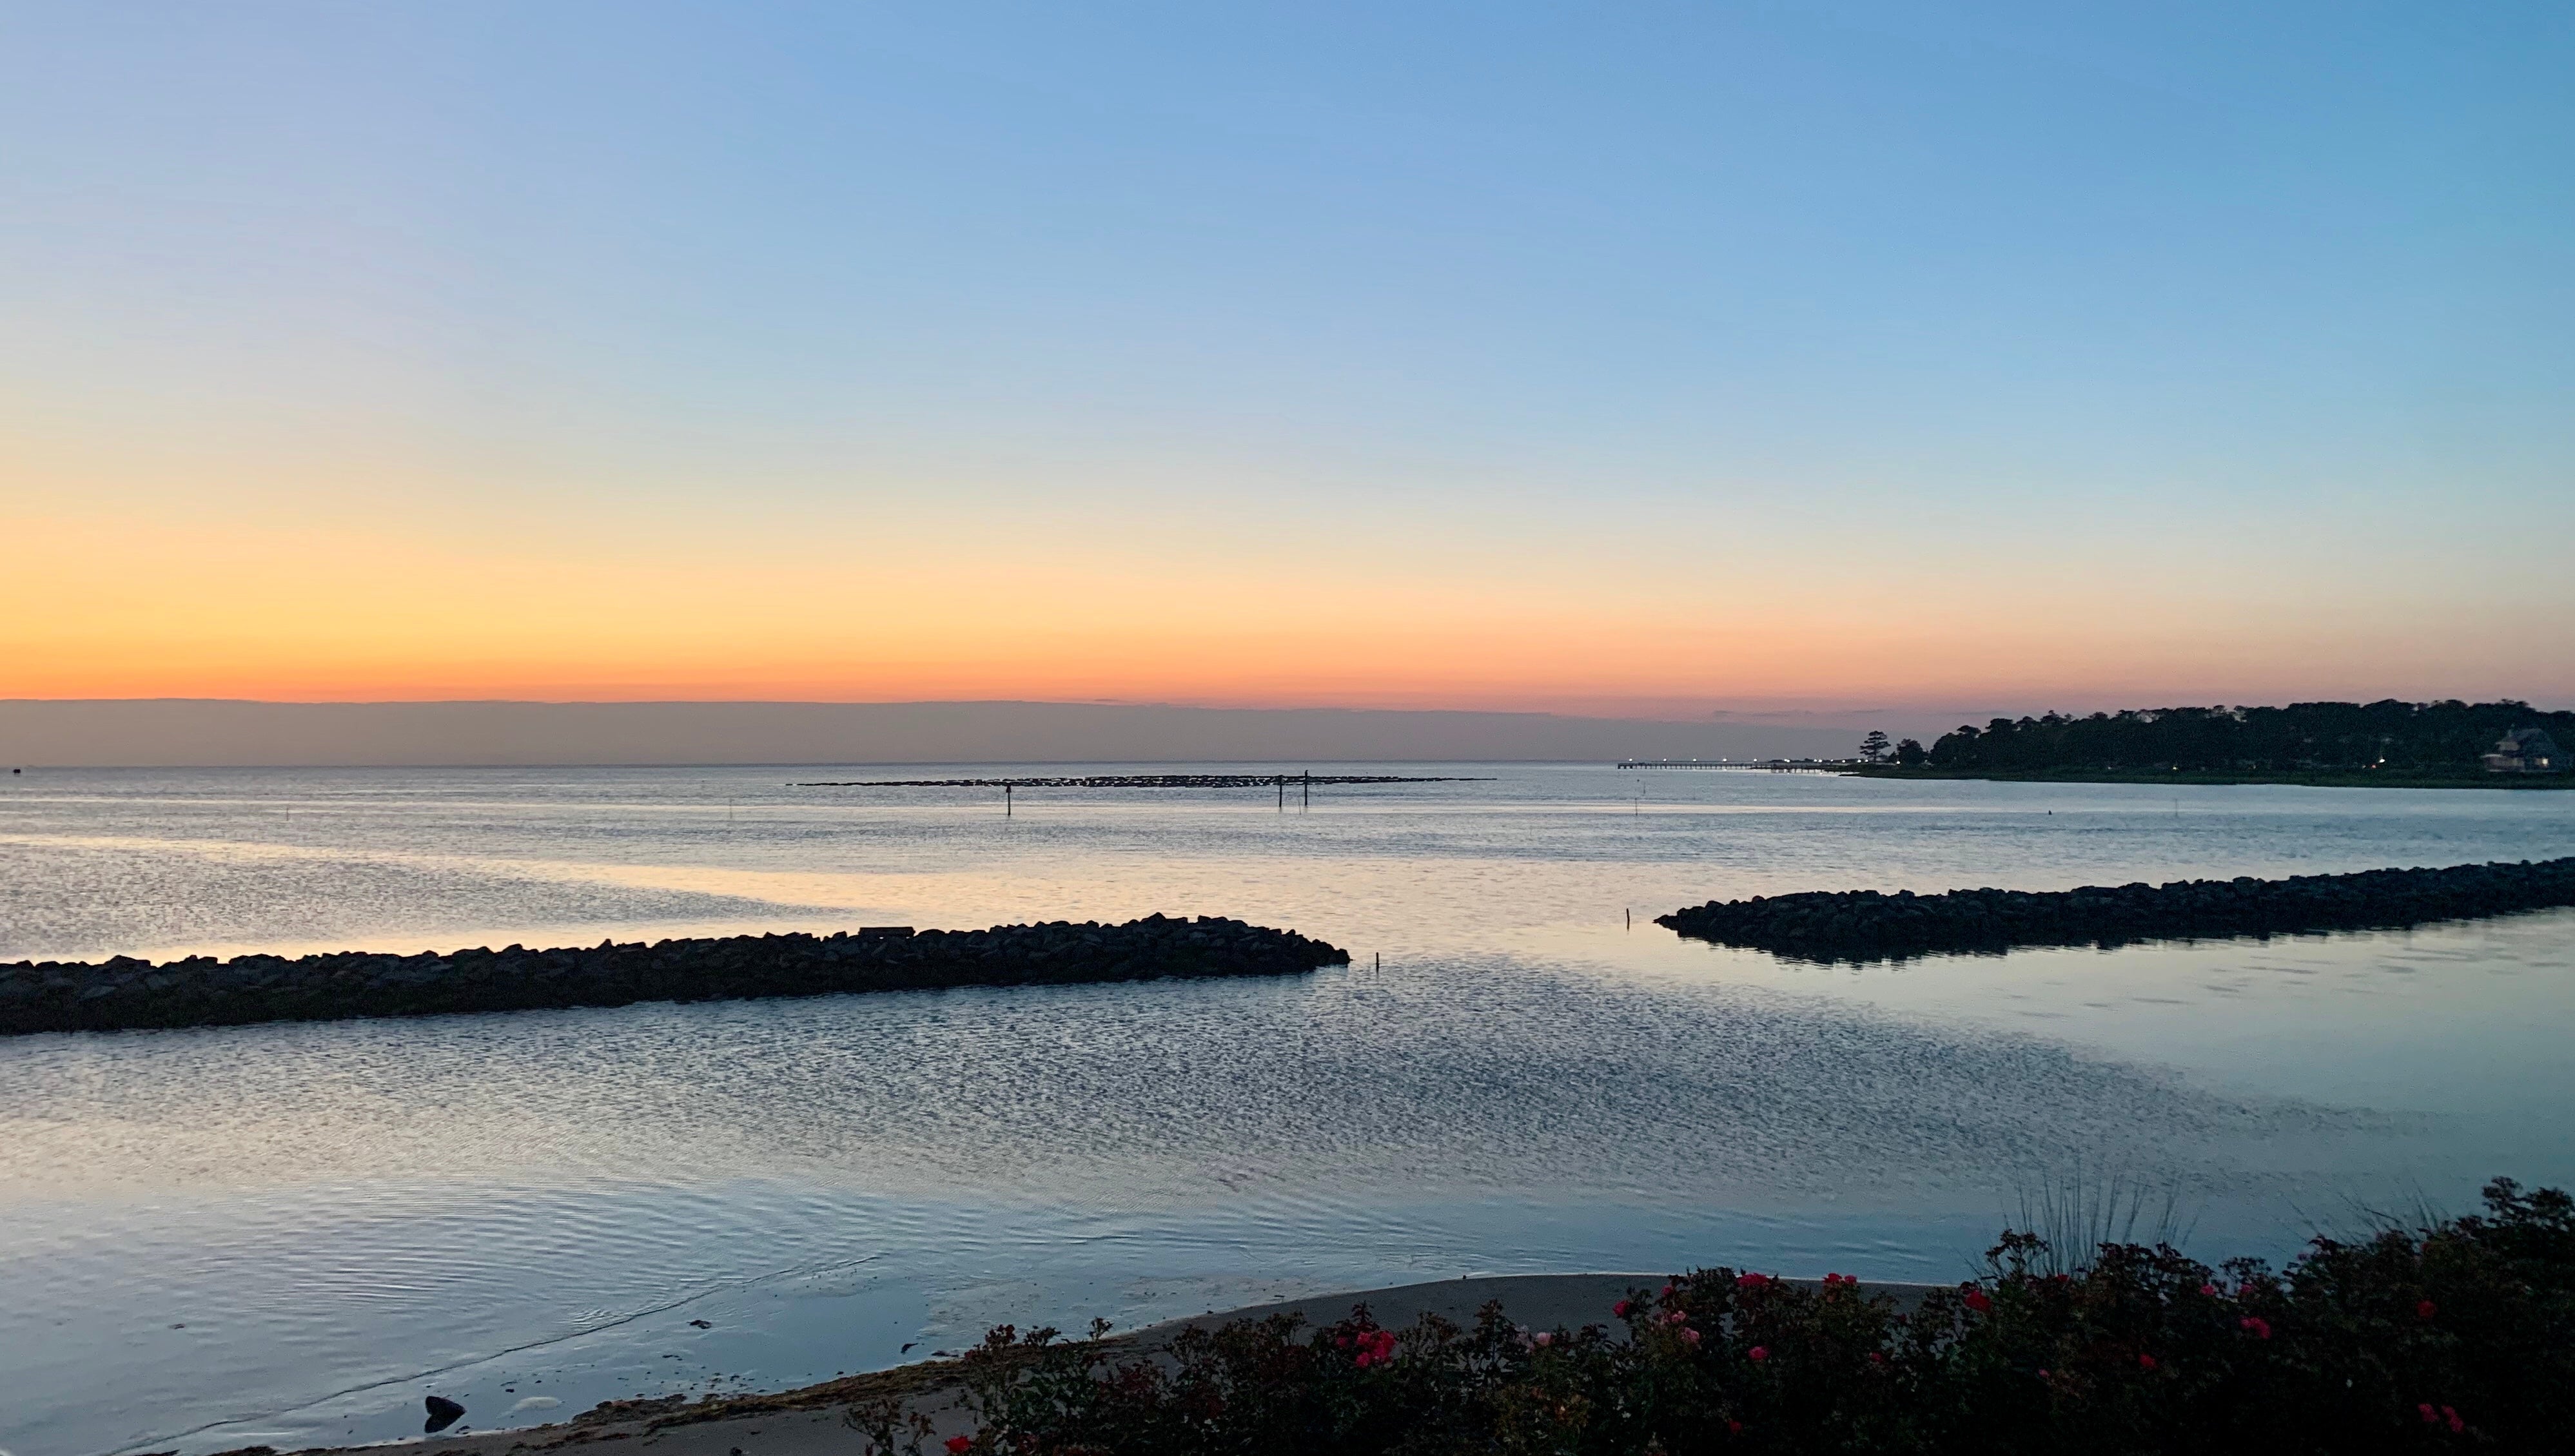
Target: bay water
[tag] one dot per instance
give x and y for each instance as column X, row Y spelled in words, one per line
column 285, row 1235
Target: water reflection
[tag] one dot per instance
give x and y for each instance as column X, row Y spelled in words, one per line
column 274, row 1234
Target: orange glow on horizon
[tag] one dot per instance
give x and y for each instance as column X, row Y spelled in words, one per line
column 143, row 607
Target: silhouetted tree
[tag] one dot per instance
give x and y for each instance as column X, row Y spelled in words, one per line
column 1910, row 753
column 1873, row 748
column 2421, row 737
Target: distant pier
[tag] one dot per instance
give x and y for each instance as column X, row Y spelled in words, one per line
column 1750, row 766
column 1143, row 780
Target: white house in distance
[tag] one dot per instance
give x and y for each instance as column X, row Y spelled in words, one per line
column 2526, row 751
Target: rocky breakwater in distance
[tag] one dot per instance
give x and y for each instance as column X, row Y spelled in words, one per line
column 204, row 991
column 1859, row 925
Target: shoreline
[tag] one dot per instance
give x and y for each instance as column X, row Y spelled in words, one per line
column 808, row 1420
column 2292, row 780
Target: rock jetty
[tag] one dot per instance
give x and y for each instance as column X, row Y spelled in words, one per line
column 204, row 991
column 1854, row 926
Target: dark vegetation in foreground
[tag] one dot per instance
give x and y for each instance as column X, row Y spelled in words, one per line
column 2390, row 739
column 2457, row 1337
column 1865, row 925
column 200, row 991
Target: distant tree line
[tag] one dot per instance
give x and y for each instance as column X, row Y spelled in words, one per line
column 2418, row 737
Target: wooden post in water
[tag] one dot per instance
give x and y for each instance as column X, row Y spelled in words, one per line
column 1006, row 799
column 1310, row 788
column 1282, row 794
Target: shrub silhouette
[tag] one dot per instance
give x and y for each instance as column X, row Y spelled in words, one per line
column 2453, row 1336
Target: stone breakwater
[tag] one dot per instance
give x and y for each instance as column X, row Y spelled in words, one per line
column 204, row 991
column 1866, row 925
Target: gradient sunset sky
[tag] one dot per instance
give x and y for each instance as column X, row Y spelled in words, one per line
column 1623, row 357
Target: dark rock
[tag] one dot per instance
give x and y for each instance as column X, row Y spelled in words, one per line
column 441, row 1414
column 121, row 993
column 1861, row 926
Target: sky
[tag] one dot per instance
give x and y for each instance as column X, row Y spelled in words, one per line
column 1647, row 360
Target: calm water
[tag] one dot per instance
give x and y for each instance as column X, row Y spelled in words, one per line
column 285, row 1235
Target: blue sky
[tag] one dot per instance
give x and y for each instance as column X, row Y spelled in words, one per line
column 2230, row 331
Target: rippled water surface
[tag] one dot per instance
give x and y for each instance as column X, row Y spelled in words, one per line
column 287, row 1234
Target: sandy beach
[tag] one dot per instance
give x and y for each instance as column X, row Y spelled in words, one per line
column 810, row 1421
